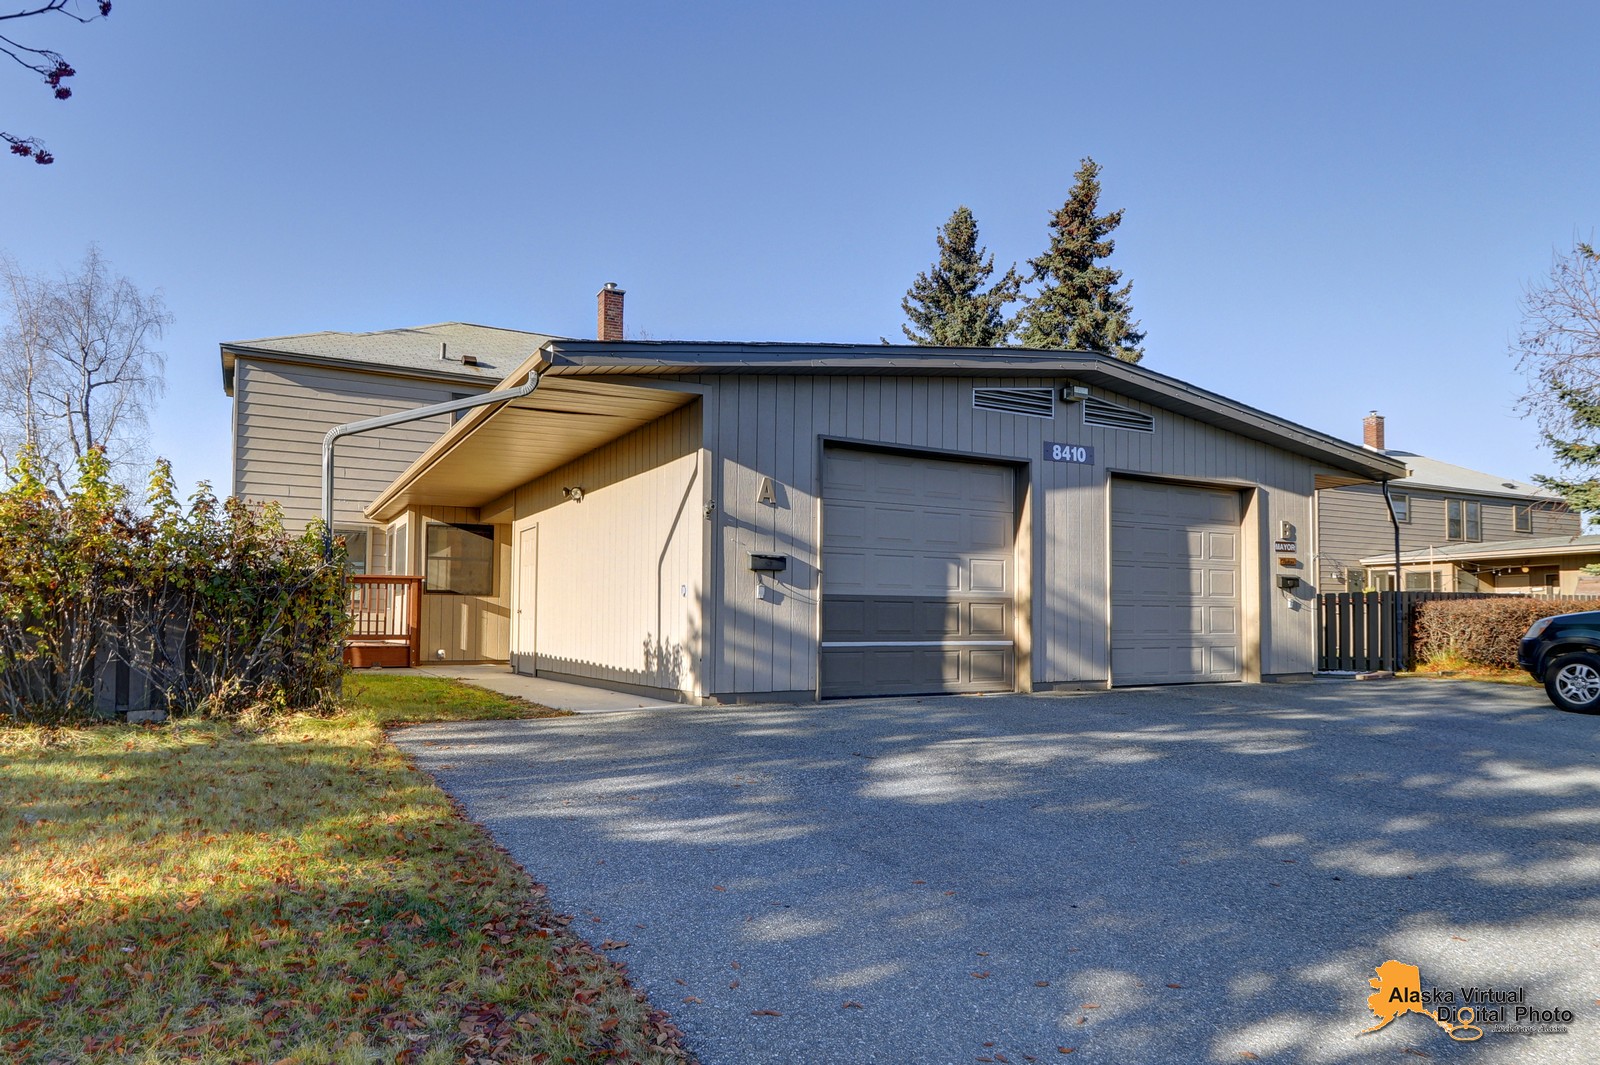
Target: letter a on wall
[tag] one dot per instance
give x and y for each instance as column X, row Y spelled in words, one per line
column 767, row 494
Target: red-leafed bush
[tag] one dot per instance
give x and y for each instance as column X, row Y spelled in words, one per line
column 1484, row 631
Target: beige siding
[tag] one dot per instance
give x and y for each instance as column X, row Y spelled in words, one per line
column 283, row 410
column 467, row 628
column 773, row 426
column 1353, row 523
column 619, row 573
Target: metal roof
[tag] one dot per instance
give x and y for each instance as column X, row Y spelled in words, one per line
column 1525, row 547
column 413, row 351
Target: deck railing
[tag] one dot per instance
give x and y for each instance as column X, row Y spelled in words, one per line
column 385, row 621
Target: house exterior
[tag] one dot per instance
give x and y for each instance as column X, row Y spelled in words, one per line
column 1441, row 510
column 756, row 522
column 1529, row 565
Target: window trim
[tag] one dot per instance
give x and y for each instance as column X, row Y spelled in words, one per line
column 1466, row 515
column 365, row 532
column 428, row 556
column 1402, row 507
column 1522, row 517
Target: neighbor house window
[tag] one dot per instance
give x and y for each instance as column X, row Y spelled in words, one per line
column 1402, row 506
column 1524, row 517
column 1463, row 520
column 356, row 543
column 460, row 559
column 1425, row 581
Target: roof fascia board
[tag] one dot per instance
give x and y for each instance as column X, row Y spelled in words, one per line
column 233, row 352
column 1122, row 377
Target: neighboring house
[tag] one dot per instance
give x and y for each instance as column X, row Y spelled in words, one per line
column 1442, row 509
column 749, row 522
column 1538, row 565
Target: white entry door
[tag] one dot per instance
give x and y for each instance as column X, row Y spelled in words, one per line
column 525, row 598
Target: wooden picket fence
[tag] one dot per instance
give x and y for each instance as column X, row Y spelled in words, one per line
column 1363, row 631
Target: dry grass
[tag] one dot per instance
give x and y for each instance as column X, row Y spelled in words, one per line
column 295, row 894
column 1450, row 664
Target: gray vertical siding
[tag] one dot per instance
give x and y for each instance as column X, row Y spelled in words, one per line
column 620, row 574
column 774, row 426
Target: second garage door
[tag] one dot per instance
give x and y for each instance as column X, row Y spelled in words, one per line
column 1175, row 576
column 917, row 575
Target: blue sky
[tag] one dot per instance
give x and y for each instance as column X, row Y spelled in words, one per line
column 1329, row 209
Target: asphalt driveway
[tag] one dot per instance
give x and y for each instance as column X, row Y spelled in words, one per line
column 1202, row 874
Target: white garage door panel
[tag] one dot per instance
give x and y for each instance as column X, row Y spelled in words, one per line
column 1175, row 580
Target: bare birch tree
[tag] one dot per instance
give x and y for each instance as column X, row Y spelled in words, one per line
column 78, row 365
column 1558, row 348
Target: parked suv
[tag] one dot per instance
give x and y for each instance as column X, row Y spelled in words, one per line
column 1564, row 653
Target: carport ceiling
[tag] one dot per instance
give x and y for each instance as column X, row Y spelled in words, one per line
column 524, row 439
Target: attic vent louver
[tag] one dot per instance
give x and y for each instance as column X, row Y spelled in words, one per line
column 1110, row 416
column 1033, row 402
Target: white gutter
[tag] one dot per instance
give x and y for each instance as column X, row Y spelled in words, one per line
column 400, row 418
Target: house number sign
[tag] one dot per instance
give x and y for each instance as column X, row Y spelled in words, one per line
column 1069, row 453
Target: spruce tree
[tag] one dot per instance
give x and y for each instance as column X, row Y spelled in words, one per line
column 948, row 306
column 1079, row 306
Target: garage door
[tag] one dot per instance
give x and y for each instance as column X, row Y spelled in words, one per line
column 917, row 575
column 1175, row 575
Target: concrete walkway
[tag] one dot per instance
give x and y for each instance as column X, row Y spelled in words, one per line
column 558, row 695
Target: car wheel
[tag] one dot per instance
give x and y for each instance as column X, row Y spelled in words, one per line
column 1573, row 683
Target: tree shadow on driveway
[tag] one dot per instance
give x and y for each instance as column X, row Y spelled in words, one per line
column 1185, row 874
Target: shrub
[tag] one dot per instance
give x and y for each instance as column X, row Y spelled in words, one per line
column 1484, row 631
column 214, row 604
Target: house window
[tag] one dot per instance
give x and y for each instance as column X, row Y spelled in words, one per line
column 460, row 559
column 399, row 548
column 356, row 544
column 1402, row 507
column 1524, row 517
column 456, row 416
column 1423, row 581
column 1463, row 520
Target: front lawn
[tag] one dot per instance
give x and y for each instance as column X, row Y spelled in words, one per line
column 195, row 892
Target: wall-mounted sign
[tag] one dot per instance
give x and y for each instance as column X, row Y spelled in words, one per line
column 1283, row 545
column 1081, row 453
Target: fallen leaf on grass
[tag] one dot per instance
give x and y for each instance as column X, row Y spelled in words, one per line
column 980, row 976
column 614, row 944
column 765, row 1013
column 718, row 887
column 1459, row 939
column 690, row 998
column 733, row 984
column 852, row 1006
column 1091, row 1005
column 1176, row 987
column 1065, row 1050
column 1041, row 983
column 1418, row 1053
column 1246, row 1055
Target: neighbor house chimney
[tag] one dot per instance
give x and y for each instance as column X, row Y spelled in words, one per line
column 1371, row 430
column 610, row 324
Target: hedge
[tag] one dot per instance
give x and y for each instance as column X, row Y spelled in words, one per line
column 213, row 605
column 1484, row 631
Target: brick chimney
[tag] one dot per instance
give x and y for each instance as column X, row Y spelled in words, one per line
column 610, row 314
column 1371, row 430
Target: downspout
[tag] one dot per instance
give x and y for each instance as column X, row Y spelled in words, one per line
column 400, row 418
column 1399, row 614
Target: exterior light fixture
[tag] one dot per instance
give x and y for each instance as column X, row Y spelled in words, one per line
column 575, row 493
